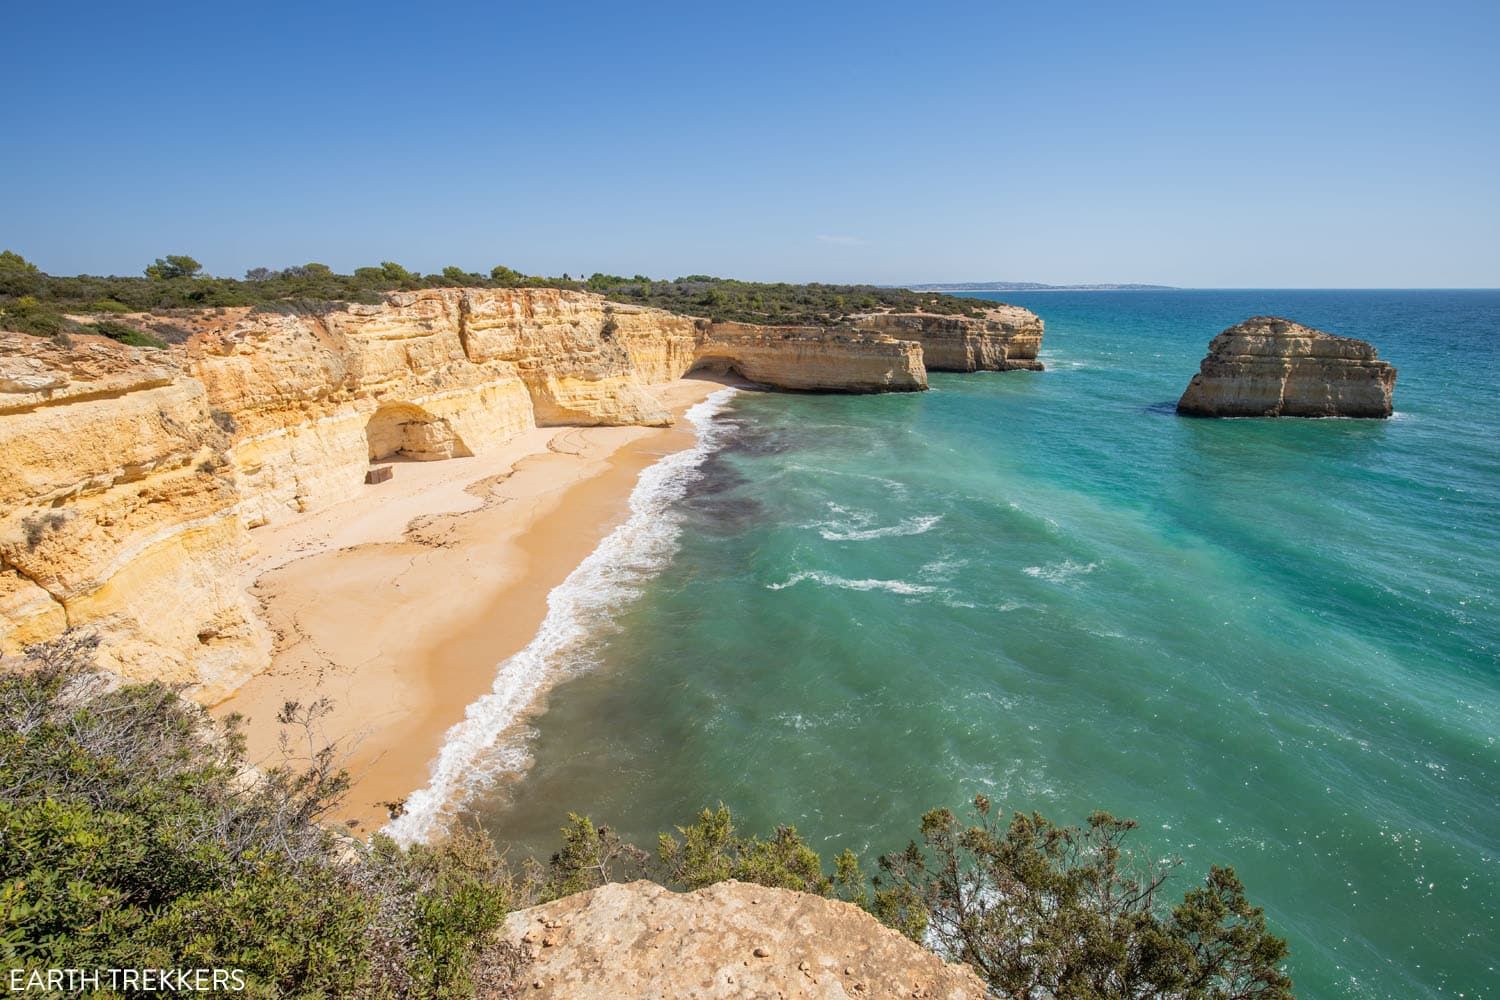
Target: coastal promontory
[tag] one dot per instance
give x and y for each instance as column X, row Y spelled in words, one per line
column 1272, row 367
column 142, row 449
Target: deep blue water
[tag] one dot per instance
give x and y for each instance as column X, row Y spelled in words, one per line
column 1274, row 643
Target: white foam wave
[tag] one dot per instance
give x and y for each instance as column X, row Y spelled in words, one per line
column 858, row 518
column 578, row 609
column 1060, row 572
column 895, row 486
column 911, row 526
column 829, row 580
column 943, row 568
column 1056, row 362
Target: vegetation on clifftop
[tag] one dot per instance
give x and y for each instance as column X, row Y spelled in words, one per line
column 134, row 834
column 32, row 301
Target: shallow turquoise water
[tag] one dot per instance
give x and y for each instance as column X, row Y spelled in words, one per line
column 1274, row 643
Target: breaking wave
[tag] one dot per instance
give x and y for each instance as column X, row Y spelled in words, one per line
column 579, row 611
column 1060, row 572
column 829, row 580
column 910, row 526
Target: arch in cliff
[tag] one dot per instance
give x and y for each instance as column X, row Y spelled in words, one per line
column 405, row 430
column 716, row 363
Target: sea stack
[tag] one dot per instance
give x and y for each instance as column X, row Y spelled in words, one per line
column 1272, row 367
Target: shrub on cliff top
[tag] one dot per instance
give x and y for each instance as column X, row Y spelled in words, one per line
column 177, row 281
column 18, row 276
column 710, row 851
column 1064, row 912
column 173, row 266
column 27, row 315
column 125, row 334
column 132, row 836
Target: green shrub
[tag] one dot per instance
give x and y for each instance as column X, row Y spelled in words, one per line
column 589, row 857
column 710, row 851
column 125, row 334
column 18, row 276
column 444, row 897
column 457, row 277
column 177, row 282
column 1064, row 912
column 131, row 835
column 27, row 315
column 173, row 266
column 107, row 306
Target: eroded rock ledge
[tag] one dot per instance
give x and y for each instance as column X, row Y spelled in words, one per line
column 1006, row 339
column 731, row 939
column 1272, row 367
column 132, row 477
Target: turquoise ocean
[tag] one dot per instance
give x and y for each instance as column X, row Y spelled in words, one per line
column 1275, row 644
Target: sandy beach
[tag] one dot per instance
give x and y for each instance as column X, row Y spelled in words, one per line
column 398, row 606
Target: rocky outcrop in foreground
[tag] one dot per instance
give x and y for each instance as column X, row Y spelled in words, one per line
column 1272, row 367
column 732, row 939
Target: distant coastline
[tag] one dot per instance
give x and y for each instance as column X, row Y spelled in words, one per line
column 1035, row 286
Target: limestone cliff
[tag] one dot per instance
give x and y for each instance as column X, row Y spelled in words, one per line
column 117, row 504
column 1006, row 338
column 1272, row 367
column 731, row 939
column 132, row 477
column 814, row 360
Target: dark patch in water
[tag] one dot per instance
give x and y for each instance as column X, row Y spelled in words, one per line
column 749, row 439
column 724, row 515
column 1167, row 409
column 713, row 499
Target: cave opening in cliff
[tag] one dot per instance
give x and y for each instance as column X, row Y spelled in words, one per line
column 716, row 364
column 406, row 431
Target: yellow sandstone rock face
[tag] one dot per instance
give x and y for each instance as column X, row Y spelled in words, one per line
column 311, row 400
column 1272, row 367
column 117, row 510
column 1005, row 339
column 133, row 477
column 814, row 360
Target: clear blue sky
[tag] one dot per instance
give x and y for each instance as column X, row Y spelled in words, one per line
column 1201, row 144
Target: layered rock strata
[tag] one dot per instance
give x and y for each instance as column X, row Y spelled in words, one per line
column 1272, row 367
column 1006, row 338
column 117, row 510
column 813, row 360
column 132, row 477
column 731, row 939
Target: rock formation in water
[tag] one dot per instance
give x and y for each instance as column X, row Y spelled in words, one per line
column 810, row 359
column 731, row 939
column 132, row 477
column 1005, row 339
column 1272, row 367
